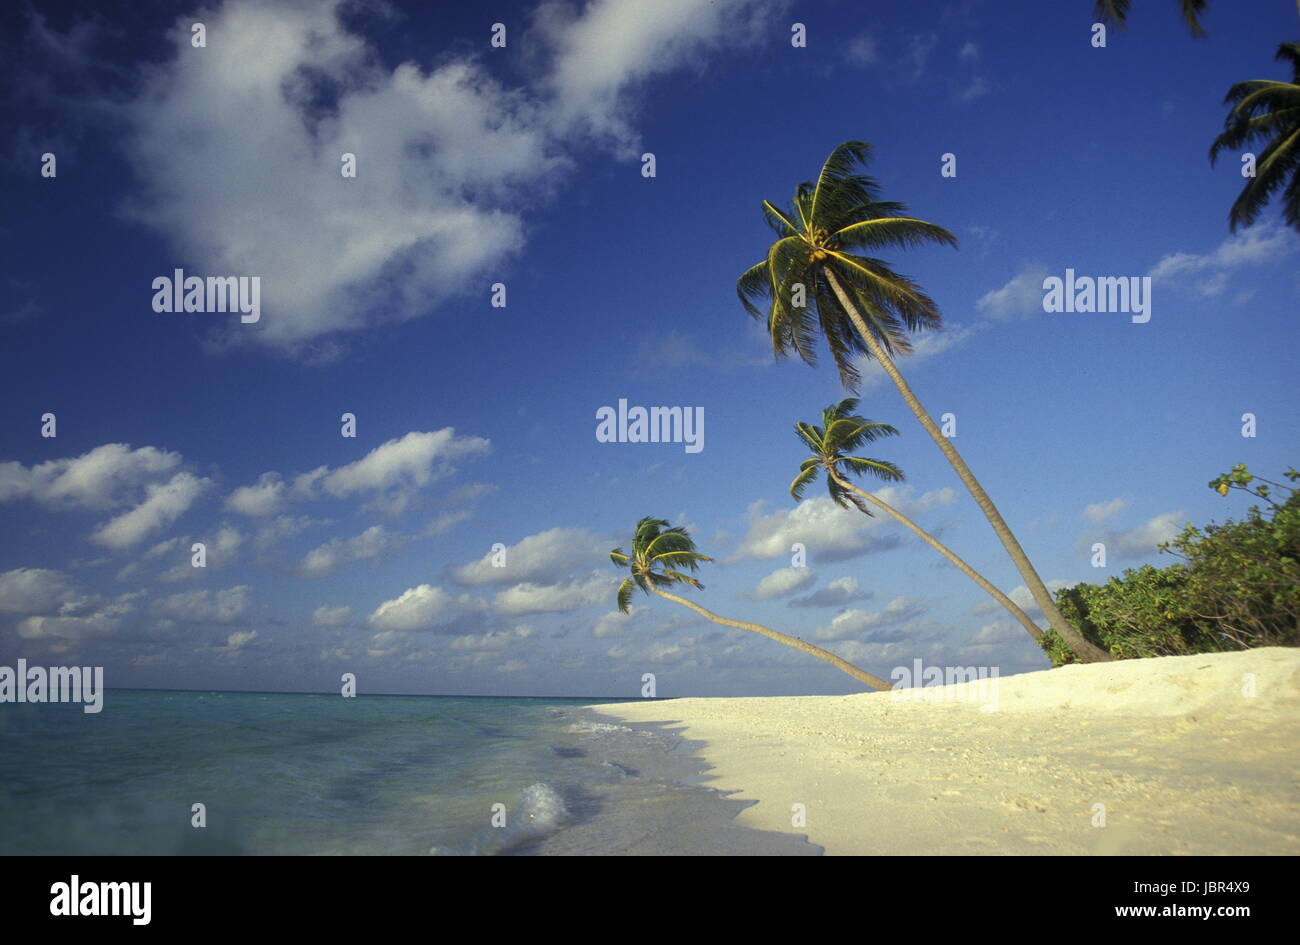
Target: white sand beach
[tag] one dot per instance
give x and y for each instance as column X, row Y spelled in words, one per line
column 1183, row 758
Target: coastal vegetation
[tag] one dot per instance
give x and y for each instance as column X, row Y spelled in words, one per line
column 1237, row 586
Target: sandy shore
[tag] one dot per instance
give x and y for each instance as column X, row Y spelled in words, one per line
column 1181, row 756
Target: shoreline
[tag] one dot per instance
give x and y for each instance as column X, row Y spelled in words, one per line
column 1181, row 758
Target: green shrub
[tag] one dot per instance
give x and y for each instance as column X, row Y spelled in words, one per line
column 1237, row 587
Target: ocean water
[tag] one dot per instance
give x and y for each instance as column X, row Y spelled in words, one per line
column 291, row 774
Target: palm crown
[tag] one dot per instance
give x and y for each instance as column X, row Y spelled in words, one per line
column 657, row 554
column 1266, row 110
column 841, row 432
column 832, row 226
column 1116, row 11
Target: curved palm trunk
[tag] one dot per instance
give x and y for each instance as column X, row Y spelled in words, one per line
column 1021, row 617
column 875, row 682
column 1086, row 651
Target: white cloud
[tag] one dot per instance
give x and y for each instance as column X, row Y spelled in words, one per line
column 1025, row 600
column 445, row 157
column 374, row 543
column 266, row 497
column 1021, row 297
column 34, row 591
column 163, row 504
column 1101, row 511
column 855, row 622
column 1141, row 541
column 107, row 477
column 238, row 640
column 205, row 606
column 327, row 616
column 1208, row 274
column 529, row 598
column 828, row 532
column 546, row 557
column 65, row 630
column 837, row 593
column 925, row 346
column 391, row 474
column 418, row 608
column 492, row 640
column 784, row 582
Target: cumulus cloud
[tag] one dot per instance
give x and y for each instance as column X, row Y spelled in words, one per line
column 546, row 557
column 390, row 475
column 34, row 591
column 1021, row 297
column 1208, row 274
column 266, row 497
column 327, row 616
column 837, row 593
column 1100, row 511
column 162, row 505
column 492, row 640
column 65, row 630
column 828, row 532
column 1141, row 541
column 107, row 477
column 205, row 606
column 857, row 623
column 783, row 583
column 418, row 608
column 445, row 156
column 530, row 598
column 374, row 543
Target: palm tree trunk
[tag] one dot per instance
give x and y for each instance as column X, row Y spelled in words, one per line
column 1021, row 617
column 875, row 682
column 1086, row 651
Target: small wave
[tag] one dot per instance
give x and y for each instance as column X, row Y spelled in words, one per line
column 591, row 728
column 539, row 813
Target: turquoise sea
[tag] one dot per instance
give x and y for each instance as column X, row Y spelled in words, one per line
column 298, row 774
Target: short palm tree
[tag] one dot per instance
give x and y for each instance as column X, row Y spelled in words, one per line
column 814, row 280
column 1266, row 110
column 1116, row 11
column 660, row 558
column 842, row 432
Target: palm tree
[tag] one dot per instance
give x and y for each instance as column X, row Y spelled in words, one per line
column 1116, row 11
column 815, row 281
column 841, row 432
column 1266, row 110
column 658, row 552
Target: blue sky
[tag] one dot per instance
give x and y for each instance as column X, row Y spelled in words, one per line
column 476, row 425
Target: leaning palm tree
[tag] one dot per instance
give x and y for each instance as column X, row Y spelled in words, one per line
column 1116, row 11
column 842, row 432
column 815, row 280
column 1266, row 111
column 660, row 558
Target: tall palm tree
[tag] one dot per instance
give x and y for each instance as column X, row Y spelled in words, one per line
column 842, row 432
column 1116, row 11
column 660, row 558
column 861, row 306
column 1266, row 110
